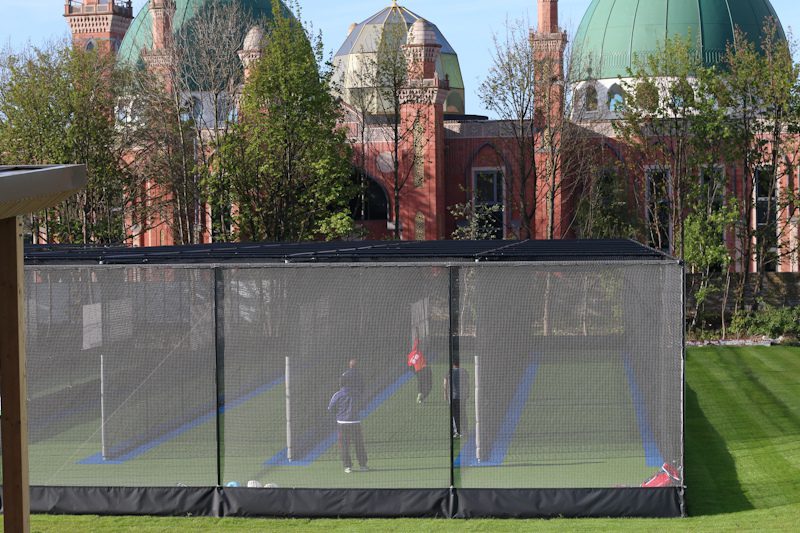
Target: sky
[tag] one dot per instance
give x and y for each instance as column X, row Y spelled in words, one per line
column 467, row 24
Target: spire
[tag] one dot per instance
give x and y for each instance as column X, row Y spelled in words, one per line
column 548, row 16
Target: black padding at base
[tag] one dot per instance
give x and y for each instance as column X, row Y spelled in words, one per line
column 569, row 503
column 155, row 501
column 346, row 503
column 360, row 503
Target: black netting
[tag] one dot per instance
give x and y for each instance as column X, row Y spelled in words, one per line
column 121, row 376
column 564, row 375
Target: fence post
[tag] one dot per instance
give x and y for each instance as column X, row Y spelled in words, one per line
column 16, row 490
column 454, row 310
column 219, row 361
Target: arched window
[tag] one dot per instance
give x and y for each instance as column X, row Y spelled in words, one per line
column 89, row 46
column 616, row 97
column 590, row 98
column 371, row 202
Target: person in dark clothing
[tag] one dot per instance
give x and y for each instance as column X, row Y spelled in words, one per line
column 344, row 405
column 458, row 380
column 422, row 371
column 352, row 379
column 352, row 376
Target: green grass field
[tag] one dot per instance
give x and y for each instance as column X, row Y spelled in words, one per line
column 742, row 459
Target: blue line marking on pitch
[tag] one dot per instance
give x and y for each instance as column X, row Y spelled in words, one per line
column 281, row 459
column 97, row 459
column 652, row 455
column 503, row 439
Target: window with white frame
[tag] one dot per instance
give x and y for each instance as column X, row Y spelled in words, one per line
column 767, row 217
column 489, row 191
column 616, row 97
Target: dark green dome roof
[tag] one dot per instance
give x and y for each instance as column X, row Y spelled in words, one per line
column 612, row 32
column 140, row 33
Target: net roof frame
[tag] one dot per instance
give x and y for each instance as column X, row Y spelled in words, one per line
column 523, row 251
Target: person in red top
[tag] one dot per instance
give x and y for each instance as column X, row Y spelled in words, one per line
column 424, row 377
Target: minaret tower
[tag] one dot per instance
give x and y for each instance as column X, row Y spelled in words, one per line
column 98, row 24
column 252, row 50
column 423, row 114
column 162, row 12
column 549, row 43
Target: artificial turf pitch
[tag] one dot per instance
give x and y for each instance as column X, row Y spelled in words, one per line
column 742, row 461
column 572, row 430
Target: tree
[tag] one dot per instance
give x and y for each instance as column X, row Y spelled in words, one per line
column 57, row 107
column 401, row 107
column 287, row 159
column 478, row 221
column 759, row 93
column 603, row 209
column 184, row 104
column 525, row 88
column 657, row 122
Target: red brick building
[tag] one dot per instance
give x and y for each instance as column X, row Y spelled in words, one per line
column 446, row 157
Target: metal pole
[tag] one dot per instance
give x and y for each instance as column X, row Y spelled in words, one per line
column 288, row 382
column 452, row 355
column 219, row 361
column 477, row 409
column 102, row 408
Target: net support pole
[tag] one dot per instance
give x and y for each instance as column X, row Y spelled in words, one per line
column 103, row 408
column 219, row 364
column 477, row 409
column 288, row 384
column 453, row 355
column 14, row 420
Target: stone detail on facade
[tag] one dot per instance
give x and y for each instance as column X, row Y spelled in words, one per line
column 99, row 23
column 419, row 226
column 419, row 155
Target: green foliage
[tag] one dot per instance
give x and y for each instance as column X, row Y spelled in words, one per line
column 768, row 320
column 603, row 210
column 56, row 107
column 478, row 221
column 287, row 161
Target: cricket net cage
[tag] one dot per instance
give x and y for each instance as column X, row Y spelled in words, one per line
column 505, row 379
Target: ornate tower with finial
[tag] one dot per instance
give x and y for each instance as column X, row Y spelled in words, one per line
column 98, row 24
column 252, row 50
column 549, row 43
column 423, row 115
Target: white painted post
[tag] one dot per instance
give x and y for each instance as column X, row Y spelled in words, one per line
column 288, row 413
column 477, row 409
column 102, row 408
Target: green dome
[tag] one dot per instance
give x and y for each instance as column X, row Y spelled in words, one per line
column 140, row 34
column 612, row 32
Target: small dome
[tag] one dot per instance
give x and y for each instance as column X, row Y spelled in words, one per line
column 422, row 33
column 362, row 44
column 612, row 32
column 254, row 38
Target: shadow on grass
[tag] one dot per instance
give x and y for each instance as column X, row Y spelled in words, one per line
column 712, row 483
